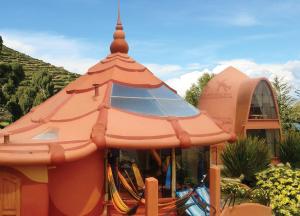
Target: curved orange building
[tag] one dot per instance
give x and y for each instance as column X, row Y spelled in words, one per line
column 53, row 159
column 242, row 105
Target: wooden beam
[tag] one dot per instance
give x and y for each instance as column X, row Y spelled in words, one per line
column 173, row 183
column 151, row 197
column 215, row 190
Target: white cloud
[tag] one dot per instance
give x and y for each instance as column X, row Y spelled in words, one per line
column 56, row 49
column 164, row 70
column 289, row 71
column 243, row 19
column 185, row 81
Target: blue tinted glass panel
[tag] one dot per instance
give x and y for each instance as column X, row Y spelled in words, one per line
column 144, row 106
column 177, row 108
column 126, row 91
column 152, row 101
column 164, row 92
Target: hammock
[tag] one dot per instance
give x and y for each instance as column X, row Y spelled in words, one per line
column 117, row 201
column 138, row 177
column 164, row 205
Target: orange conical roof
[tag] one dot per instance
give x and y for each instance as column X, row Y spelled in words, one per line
column 82, row 117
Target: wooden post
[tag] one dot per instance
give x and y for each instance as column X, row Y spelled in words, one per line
column 215, row 190
column 106, row 182
column 151, row 197
column 173, row 186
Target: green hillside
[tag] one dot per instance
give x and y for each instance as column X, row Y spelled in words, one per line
column 26, row 82
column 60, row 76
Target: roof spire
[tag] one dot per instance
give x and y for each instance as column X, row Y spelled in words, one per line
column 119, row 43
column 119, row 16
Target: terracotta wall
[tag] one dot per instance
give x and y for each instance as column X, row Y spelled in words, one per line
column 34, row 199
column 33, row 195
column 77, row 188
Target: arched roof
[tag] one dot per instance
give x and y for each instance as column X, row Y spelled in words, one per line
column 227, row 98
column 80, row 119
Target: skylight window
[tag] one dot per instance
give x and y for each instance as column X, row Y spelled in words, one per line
column 151, row 101
column 50, row 134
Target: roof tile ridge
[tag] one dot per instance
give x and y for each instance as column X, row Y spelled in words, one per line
column 105, row 61
column 122, row 55
column 118, row 66
column 181, row 134
column 100, row 127
column 46, row 119
column 76, row 117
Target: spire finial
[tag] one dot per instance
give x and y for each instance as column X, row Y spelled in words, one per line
column 119, row 43
column 119, row 14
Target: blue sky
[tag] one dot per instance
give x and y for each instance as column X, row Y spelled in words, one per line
column 178, row 40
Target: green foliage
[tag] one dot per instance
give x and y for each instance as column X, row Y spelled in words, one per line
column 8, row 89
column 12, row 72
column 290, row 149
column 14, row 108
column 42, row 83
column 192, row 95
column 26, row 97
column 246, row 157
column 282, row 184
column 286, row 102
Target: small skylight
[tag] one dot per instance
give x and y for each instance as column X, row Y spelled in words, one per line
column 49, row 134
column 151, row 101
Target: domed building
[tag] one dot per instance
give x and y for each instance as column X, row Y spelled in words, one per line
column 53, row 160
column 244, row 106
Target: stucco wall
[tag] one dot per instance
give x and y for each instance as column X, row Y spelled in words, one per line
column 77, row 188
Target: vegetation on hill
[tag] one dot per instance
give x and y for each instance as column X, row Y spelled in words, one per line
column 26, row 82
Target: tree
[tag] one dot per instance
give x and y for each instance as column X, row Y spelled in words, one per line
column 192, row 95
column 8, row 89
column 13, row 107
column 42, row 83
column 17, row 73
column 286, row 102
column 26, row 96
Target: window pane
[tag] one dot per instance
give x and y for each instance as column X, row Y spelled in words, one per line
column 271, row 136
column 50, row 134
column 177, row 108
column 153, row 101
column 262, row 104
column 126, row 91
column 144, row 106
column 193, row 164
column 164, row 92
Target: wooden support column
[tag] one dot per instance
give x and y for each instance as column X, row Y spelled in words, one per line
column 215, row 190
column 106, row 183
column 173, row 186
column 151, row 197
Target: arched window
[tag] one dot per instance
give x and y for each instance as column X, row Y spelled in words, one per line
column 262, row 104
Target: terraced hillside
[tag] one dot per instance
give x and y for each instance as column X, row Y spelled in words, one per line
column 61, row 77
column 18, row 93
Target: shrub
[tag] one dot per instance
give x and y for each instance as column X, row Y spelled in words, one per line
column 282, row 184
column 289, row 150
column 246, row 157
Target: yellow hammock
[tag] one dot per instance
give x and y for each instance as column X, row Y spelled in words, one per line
column 117, row 201
column 137, row 174
column 175, row 203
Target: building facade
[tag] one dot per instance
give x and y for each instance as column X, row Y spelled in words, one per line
column 243, row 106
